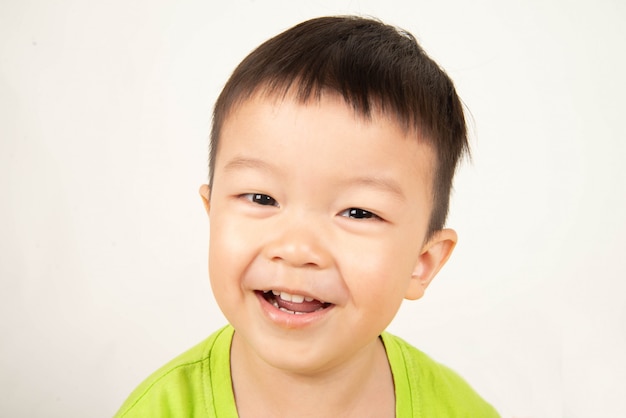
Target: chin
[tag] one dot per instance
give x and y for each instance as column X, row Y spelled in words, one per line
column 295, row 355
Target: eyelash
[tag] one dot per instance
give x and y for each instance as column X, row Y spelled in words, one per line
column 353, row 213
column 358, row 213
column 260, row 199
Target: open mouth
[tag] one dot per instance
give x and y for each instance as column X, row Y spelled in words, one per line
column 293, row 304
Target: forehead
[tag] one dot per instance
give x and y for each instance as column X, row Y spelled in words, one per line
column 320, row 132
column 375, row 114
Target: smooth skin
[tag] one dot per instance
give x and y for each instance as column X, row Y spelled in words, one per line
column 315, row 200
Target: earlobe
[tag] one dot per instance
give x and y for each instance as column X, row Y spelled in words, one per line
column 205, row 194
column 432, row 258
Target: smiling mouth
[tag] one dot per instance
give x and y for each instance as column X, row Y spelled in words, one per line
column 294, row 304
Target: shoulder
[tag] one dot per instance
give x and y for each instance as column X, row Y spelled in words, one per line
column 183, row 387
column 428, row 388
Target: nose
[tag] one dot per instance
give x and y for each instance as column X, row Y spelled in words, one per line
column 298, row 241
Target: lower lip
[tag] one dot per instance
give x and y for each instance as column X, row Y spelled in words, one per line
column 288, row 320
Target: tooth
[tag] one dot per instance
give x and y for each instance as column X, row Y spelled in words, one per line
column 292, row 298
column 287, row 310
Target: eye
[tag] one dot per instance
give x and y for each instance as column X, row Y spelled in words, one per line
column 358, row 213
column 260, row 199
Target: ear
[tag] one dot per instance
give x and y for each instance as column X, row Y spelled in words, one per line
column 205, row 194
column 432, row 258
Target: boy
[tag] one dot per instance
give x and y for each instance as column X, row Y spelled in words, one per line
column 333, row 150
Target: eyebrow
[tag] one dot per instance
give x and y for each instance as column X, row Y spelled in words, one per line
column 383, row 184
column 380, row 183
column 247, row 162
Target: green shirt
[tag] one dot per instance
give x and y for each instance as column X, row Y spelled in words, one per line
column 198, row 384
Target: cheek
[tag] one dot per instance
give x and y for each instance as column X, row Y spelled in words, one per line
column 379, row 272
column 228, row 246
column 234, row 241
column 228, row 233
column 231, row 251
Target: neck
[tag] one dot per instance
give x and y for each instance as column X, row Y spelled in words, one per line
column 361, row 386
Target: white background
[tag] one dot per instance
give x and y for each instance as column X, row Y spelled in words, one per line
column 104, row 118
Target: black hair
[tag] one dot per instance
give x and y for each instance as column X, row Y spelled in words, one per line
column 372, row 66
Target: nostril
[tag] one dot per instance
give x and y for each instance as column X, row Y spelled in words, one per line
column 295, row 263
column 299, row 247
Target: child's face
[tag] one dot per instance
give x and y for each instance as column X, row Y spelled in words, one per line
column 315, row 201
